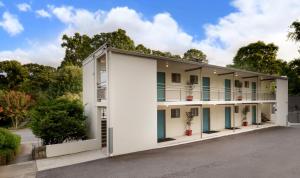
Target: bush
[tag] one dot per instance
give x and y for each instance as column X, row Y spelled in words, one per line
column 9, row 145
column 58, row 121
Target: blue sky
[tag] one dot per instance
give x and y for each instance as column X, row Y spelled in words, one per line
column 30, row 29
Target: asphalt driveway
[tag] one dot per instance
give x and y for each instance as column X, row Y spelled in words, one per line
column 273, row 152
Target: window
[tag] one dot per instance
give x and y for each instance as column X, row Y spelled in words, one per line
column 194, row 79
column 236, row 109
column 246, row 84
column 176, row 78
column 238, row 84
column 195, row 111
column 247, row 108
column 175, row 113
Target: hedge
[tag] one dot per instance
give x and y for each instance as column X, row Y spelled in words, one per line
column 9, row 146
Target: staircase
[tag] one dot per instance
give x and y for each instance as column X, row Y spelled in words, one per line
column 264, row 117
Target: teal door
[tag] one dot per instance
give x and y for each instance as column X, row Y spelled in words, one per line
column 227, row 90
column 253, row 90
column 227, row 117
column 206, row 119
column 253, row 114
column 161, row 80
column 206, row 88
column 161, row 124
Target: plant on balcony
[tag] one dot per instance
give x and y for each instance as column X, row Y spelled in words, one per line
column 190, row 87
column 244, row 112
column 189, row 119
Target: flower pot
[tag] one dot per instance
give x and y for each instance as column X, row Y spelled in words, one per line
column 189, row 98
column 245, row 123
column 188, row 132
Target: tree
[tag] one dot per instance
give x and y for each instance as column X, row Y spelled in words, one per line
column 195, row 55
column 80, row 47
column 66, row 79
column 77, row 47
column 295, row 34
column 142, row 49
column 12, row 74
column 15, row 106
column 58, row 121
column 39, row 80
column 259, row 57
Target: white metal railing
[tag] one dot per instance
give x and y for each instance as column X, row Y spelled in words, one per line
column 101, row 91
column 196, row 93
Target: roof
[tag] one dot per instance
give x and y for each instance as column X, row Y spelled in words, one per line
column 150, row 56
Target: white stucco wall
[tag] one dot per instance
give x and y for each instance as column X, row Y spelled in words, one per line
column 71, row 147
column 89, row 97
column 281, row 102
column 132, row 103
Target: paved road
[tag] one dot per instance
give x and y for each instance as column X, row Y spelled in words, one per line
column 273, row 152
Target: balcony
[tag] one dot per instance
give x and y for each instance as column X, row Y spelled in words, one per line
column 176, row 93
column 101, row 91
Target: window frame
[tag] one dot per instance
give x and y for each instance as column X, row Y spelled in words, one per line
column 236, row 109
column 246, row 84
column 195, row 80
column 195, row 109
column 176, row 77
column 177, row 114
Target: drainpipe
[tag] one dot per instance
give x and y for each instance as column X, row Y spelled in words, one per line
column 233, row 100
column 201, row 121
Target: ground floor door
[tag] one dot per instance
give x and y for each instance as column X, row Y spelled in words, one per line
column 254, row 114
column 206, row 119
column 161, row 124
column 227, row 117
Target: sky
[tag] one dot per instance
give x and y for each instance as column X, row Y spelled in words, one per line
column 31, row 30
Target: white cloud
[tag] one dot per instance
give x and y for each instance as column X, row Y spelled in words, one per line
column 11, row 24
column 43, row 13
column 24, row 7
column 252, row 20
column 43, row 53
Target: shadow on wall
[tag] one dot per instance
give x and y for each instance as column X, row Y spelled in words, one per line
column 294, row 103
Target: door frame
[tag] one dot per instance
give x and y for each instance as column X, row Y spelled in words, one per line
column 207, row 91
column 230, row 114
column 203, row 118
column 226, row 92
column 164, row 111
column 254, row 106
column 164, row 87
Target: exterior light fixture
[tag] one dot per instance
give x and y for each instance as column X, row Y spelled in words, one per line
column 167, row 64
column 236, row 75
column 215, row 72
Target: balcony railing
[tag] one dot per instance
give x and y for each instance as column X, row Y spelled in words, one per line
column 101, row 91
column 197, row 93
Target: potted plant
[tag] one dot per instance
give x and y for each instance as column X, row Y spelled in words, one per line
column 245, row 111
column 190, row 87
column 189, row 119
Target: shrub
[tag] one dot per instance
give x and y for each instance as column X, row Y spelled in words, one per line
column 9, row 145
column 58, row 121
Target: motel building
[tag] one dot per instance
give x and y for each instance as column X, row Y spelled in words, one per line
column 137, row 102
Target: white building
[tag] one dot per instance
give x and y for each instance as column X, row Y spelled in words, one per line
column 134, row 101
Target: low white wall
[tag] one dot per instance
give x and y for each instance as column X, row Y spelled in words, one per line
column 72, row 147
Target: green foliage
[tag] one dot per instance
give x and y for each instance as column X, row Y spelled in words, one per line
column 12, row 74
column 9, row 145
column 259, row 57
column 79, row 46
column 66, row 79
column 142, row 49
column 295, row 34
column 195, row 55
column 40, row 78
column 58, row 121
column 15, row 106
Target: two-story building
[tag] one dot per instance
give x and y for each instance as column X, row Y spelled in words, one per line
column 136, row 102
